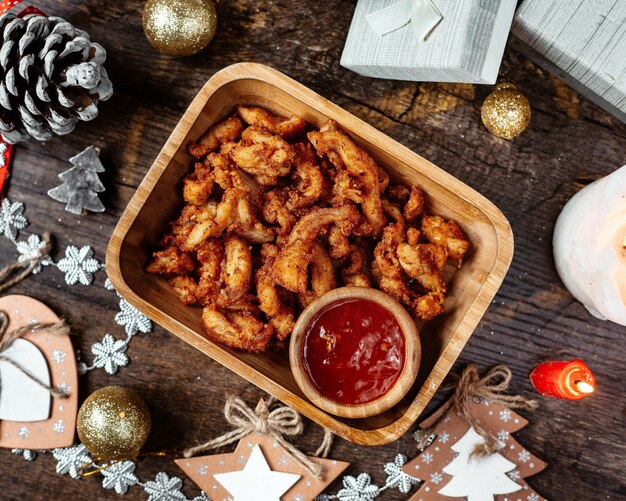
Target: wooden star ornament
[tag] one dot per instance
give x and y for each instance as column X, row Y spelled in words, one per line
column 260, row 469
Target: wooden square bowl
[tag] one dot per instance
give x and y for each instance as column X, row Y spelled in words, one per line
column 159, row 199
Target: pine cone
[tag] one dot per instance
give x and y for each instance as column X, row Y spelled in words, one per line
column 51, row 76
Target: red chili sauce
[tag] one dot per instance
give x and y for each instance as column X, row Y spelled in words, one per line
column 354, row 351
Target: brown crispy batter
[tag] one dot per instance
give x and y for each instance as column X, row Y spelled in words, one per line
column 424, row 263
column 336, row 145
column 415, row 205
column 237, row 271
column 284, row 127
column 240, row 330
column 290, row 270
column 354, row 272
column 198, row 185
column 447, row 233
column 263, row 155
column 227, row 130
column 322, row 275
column 186, row 288
column 170, row 261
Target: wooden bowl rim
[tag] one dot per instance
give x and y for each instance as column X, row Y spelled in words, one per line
column 412, row 353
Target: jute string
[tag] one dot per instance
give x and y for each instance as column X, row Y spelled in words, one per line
column 470, row 386
column 277, row 423
column 9, row 279
column 7, row 337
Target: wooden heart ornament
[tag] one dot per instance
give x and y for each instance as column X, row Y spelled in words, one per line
column 30, row 418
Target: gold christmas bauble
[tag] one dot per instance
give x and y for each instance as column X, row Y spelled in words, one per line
column 179, row 27
column 113, row 423
column 506, row 111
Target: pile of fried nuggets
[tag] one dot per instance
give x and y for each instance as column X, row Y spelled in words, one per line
column 290, row 215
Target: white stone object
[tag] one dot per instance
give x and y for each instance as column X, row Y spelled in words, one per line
column 590, row 247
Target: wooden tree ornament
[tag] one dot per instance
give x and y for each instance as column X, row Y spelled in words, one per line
column 459, row 463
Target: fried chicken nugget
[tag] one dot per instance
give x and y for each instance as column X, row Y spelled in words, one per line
column 263, row 155
column 198, row 185
column 424, row 263
column 237, row 270
column 290, row 269
column 308, row 177
column 415, row 205
column 336, row 144
column 284, row 127
column 354, row 273
column 322, row 275
column 210, row 255
column 446, row 233
column 275, row 210
column 227, row 130
column 170, row 261
column 271, row 301
column 240, row 330
column 186, row 288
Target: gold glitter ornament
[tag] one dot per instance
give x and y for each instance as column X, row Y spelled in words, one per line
column 179, row 27
column 506, row 111
column 113, row 423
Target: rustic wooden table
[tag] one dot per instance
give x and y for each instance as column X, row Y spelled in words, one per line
column 569, row 143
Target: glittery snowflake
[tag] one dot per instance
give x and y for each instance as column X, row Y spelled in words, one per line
column 164, row 488
column 524, row 456
column 108, row 285
column 31, row 248
column 396, row 477
column 505, row 415
column 27, row 454
column 503, row 435
column 201, row 497
column 58, row 355
column 22, row 432
column 58, row 426
column 436, row 477
column 427, row 457
column 110, row 353
column 12, row 218
column 358, row 489
column 120, row 476
column 514, row 475
column 444, row 437
column 132, row 319
column 71, row 460
column 78, row 265
column 532, row 497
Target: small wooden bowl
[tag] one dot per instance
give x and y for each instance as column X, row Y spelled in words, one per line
column 412, row 353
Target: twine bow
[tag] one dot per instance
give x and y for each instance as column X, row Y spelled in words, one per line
column 471, row 386
column 277, row 423
column 7, row 338
column 28, row 264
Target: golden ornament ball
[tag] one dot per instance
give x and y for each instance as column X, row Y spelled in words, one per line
column 506, row 111
column 179, row 27
column 113, row 423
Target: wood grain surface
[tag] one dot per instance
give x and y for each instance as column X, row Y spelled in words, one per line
column 569, row 143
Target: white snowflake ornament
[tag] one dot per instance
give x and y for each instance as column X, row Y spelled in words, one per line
column 31, row 248
column 27, row 454
column 396, row 478
column 78, row 265
column 12, row 218
column 358, row 489
column 132, row 319
column 164, row 488
column 119, row 476
column 110, row 354
column 71, row 460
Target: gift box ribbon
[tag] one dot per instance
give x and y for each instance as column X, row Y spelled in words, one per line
column 423, row 16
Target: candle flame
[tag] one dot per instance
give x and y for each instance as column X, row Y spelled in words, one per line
column 584, row 387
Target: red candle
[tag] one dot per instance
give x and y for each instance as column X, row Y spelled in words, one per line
column 569, row 380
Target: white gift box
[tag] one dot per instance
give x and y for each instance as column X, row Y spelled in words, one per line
column 466, row 46
column 581, row 41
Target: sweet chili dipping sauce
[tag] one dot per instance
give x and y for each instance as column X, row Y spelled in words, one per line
column 354, row 351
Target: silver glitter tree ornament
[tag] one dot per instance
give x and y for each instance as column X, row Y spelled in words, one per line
column 51, row 76
column 81, row 183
